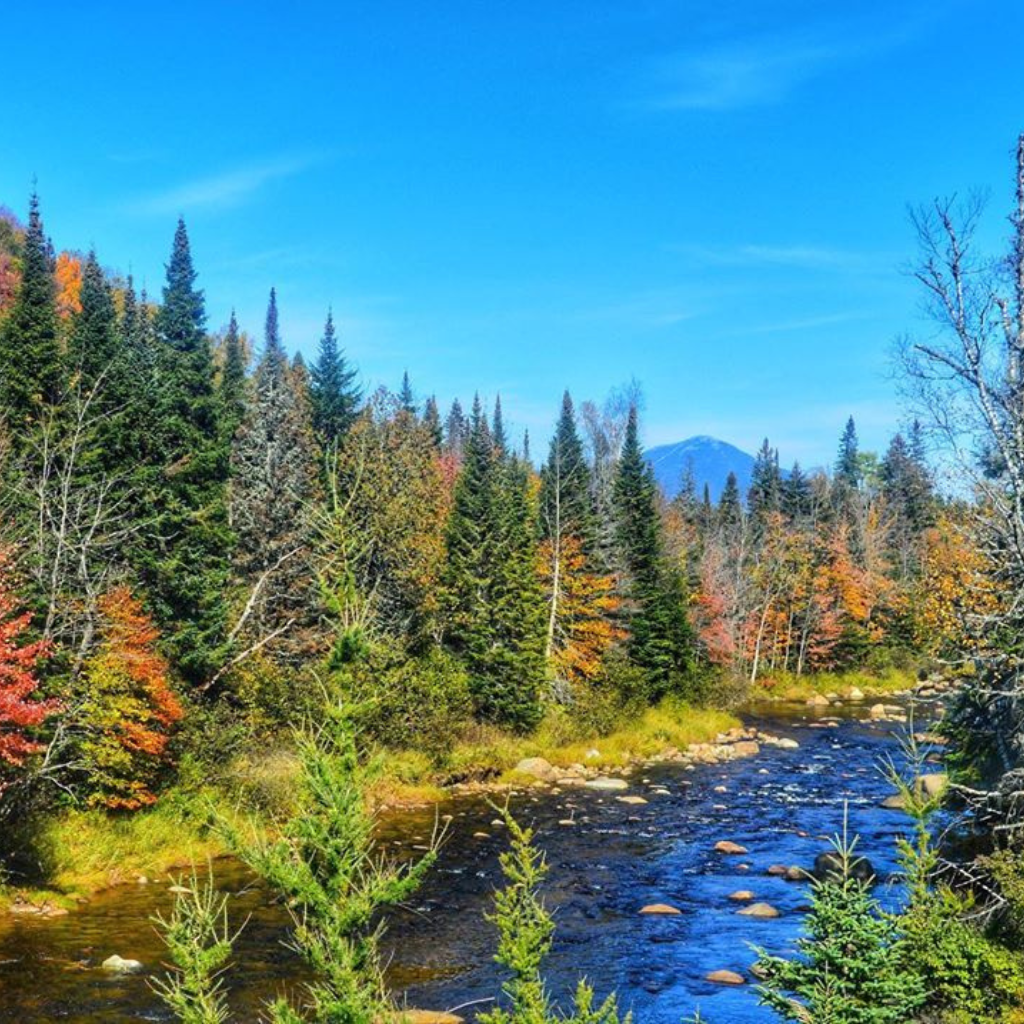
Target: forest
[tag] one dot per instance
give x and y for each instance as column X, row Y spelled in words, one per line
column 208, row 544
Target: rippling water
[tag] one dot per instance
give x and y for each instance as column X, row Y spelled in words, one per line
column 615, row 858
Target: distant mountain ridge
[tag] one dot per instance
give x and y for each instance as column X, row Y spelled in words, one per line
column 709, row 459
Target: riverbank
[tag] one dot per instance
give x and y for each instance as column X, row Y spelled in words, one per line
column 836, row 686
column 84, row 852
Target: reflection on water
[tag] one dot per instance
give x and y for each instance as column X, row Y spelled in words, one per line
column 615, row 858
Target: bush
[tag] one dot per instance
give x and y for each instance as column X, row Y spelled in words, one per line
column 410, row 702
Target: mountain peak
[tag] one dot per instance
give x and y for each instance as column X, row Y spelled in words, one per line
column 710, row 459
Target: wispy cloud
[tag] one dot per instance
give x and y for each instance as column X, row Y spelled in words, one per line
column 741, row 74
column 791, row 256
column 225, row 190
column 753, row 68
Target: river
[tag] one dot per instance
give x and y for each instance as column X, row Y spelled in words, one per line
column 780, row 804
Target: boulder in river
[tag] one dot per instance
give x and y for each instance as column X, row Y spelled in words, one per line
column 537, row 768
column 118, row 965
column 631, row 800
column 764, row 911
column 606, row 783
column 819, row 700
column 725, row 978
column 661, row 908
column 934, row 785
column 726, row 846
column 829, row 865
column 741, row 896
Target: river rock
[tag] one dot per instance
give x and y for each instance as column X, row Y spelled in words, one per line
column 603, row 782
column 894, row 802
column 935, row 784
column 631, row 800
column 778, row 870
column 537, row 768
column 741, row 896
column 819, row 700
column 118, row 965
column 661, row 908
column 795, row 874
column 877, row 711
column 179, row 890
column 763, row 911
column 725, row 846
column 855, row 694
column 725, row 978
column 746, row 748
column 829, row 865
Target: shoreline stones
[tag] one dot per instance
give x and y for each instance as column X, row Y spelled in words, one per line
column 763, row 911
column 604, row 782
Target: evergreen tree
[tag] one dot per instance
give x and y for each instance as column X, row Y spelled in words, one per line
column 730, row 511
column 30, row 358
column 765, row 494
column 272, row 464
column 498, row 435
column 661, row 641
column 492, row 592
column 333, row 389
column 432, row 421
column 94, row 346
column 185, row 561
column 848, row 471
column 796, row 494
column 406, row 396
column 456, row 430
column 232, row 387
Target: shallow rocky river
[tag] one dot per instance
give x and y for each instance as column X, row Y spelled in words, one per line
column 614, row 859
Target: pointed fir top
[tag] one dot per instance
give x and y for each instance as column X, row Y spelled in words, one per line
column 182, row 318
column 406, row 397
column 498, row 427
column 273, row 350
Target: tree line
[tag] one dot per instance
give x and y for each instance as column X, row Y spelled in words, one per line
column 198, row 538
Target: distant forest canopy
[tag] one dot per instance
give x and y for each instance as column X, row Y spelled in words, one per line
column 197, row 539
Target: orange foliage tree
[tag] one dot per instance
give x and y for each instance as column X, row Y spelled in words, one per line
column 584, row 627
column 130, row 709
column 20, row 711
column 68, row 273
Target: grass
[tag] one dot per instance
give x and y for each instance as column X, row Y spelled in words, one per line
column 788, row 687
column 84, row 851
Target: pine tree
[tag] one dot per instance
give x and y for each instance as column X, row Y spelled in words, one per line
column 231, row 390
column 455, row 431
column 273, row 468
column 847, row 471
column 498, row 435
column 30, row 357
column 185, row 563
column 661, row 641
column 730, row 511
column 94, row 345
column 432, row 421
column 765, row 494
column 333, row 389
column 493, row 599
column 796, row 494
column 406, row 396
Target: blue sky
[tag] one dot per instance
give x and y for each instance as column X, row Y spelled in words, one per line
column 710, row 197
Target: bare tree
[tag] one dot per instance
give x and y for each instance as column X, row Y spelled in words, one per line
column 968, row 379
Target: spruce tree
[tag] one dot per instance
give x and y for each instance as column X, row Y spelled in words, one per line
column 432, row 421
column 847, row 471
column 796, row 494
column 334, row 393
column 406, row 397
column 232, row 386
column 498, row 435
column 661, row 641
column 765, row 494
column 456, row 431
column 730, row 510
column 185, row 560
column 30, row 357
column 272, row 475
column 565, row 495
column 495, row 612
column 94, row 345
